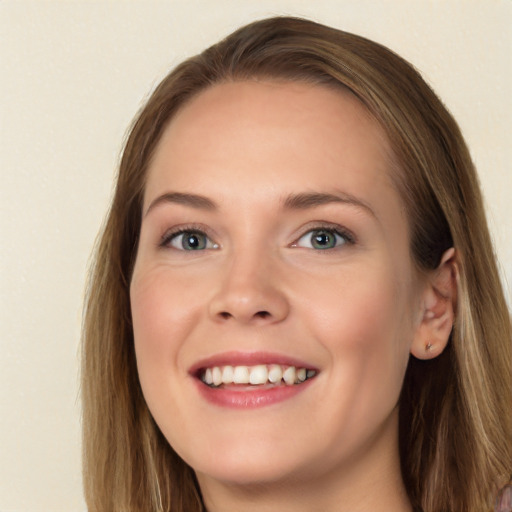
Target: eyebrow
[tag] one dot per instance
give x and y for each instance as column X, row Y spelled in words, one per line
column 301, row 201
column 192, row 200
column 304, row 201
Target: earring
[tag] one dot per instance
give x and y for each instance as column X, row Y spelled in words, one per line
column 428, row 347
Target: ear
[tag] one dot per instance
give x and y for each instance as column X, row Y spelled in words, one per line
column 438, row 306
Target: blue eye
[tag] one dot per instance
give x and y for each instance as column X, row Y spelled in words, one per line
column 189, row 241
column 322, row 239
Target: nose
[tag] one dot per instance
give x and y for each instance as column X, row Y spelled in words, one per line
column 249, row 293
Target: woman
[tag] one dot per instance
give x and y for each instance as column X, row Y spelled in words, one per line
column 294, row 302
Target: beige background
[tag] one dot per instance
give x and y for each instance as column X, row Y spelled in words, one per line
column 73, row 75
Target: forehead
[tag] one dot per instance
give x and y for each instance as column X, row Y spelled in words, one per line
column 263, row 135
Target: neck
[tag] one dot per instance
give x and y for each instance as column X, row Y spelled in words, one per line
column 371, row 481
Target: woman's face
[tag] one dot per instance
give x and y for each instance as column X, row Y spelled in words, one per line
column 274, row 248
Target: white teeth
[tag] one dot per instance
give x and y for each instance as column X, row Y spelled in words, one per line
column 256, row 375
column 241, row 375
column 208, row 376
column 216, row 376
column 227, row 375
column 275, row 373
column 289, row 375
column 301, row 374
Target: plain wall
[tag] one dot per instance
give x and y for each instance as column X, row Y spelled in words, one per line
column 73, row 75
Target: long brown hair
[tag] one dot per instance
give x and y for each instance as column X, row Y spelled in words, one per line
column 455, row 410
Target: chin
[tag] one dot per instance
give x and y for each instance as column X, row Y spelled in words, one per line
column 246, row 474
column 248, row 464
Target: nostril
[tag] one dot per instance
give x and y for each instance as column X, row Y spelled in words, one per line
column 225, row 315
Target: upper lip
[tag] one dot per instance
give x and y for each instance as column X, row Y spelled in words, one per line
column 236, row 358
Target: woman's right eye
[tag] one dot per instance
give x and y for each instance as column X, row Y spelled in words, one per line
column 188, row 240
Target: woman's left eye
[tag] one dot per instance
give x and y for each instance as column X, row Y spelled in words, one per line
column 322, row 238
column 189, row 241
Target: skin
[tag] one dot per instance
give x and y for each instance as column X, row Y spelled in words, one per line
column 354, row 312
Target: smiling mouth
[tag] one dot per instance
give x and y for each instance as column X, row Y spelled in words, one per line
column 257, row 375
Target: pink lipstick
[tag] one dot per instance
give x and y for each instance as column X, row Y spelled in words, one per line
column 247, row 380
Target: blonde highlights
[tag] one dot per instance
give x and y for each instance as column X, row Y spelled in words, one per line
column 455, row 414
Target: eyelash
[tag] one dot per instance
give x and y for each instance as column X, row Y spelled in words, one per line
column 339, row 231
column 335, row 229
column 170, row 235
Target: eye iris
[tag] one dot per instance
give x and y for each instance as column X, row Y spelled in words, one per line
column 323, row 240
column 194, row 241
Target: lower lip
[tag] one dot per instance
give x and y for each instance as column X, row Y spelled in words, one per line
column 250, row 398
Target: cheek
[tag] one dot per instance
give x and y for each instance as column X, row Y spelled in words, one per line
column 161, row 305
column 161, row 318
column 364, row 325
